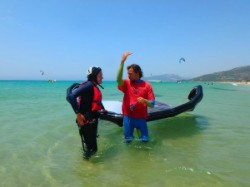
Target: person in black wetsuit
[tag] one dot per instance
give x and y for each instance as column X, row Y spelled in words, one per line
column 86, row 101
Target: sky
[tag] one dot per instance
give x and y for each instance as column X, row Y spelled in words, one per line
column 65, row 37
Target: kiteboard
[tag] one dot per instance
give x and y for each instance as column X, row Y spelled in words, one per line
column 161, row 110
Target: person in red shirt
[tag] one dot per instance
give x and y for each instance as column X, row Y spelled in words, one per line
column 138, row 95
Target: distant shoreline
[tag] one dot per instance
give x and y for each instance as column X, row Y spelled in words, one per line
column 234, row 82
column 153, row 81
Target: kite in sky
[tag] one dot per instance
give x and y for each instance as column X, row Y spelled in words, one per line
column 182, row 60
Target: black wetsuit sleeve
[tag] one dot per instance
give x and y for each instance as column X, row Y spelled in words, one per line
column 82, row 90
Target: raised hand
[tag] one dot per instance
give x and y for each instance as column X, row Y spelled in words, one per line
column 125, row 55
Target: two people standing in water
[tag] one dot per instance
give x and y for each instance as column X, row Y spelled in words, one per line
column 86, row 101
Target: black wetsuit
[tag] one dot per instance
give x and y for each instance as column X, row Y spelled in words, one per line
column 88, row 131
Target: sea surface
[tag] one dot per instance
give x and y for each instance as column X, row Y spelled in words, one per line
column 40, row 144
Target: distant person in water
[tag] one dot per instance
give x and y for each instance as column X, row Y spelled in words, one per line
column 138, row 95
column 86, row 101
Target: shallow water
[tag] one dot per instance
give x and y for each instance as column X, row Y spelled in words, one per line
column 40, row 145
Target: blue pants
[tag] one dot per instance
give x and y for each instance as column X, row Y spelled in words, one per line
column 130, row 123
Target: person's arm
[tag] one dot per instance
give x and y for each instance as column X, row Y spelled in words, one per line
column 120, row 70
column 150, row 99
column 149, row 103
column 72, row 99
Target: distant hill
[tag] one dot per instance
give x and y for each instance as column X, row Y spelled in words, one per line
column 239, row 74
column 164, row 78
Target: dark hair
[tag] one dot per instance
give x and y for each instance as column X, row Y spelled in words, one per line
column 92, row 73
column 136, row 68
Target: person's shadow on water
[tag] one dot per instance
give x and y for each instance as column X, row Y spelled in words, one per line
column 179, row 126
column 185, row 125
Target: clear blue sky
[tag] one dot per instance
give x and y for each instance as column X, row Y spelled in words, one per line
column 65, row 37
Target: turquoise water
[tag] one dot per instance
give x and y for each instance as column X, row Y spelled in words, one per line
column 40, row 145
